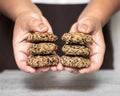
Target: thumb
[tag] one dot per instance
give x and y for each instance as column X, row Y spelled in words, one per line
column 37, row 25
column 86, row 25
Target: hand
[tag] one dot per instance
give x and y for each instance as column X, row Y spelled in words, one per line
column 93, row 27
column 24, row 24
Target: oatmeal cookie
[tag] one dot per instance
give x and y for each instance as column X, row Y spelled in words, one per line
column 42, row 49
column 75, row 62
column 37, row 37
column 43, row 61
column 76, row 50
column 77, row 38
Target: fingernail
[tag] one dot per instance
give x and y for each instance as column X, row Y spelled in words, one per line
column 83, row 28
column 42, row 27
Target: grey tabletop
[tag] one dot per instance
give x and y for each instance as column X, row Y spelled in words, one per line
column 18, row 83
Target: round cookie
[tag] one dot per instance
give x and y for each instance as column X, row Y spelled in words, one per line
column 42, row 49
column 43, row 61
column 37, row 37
column 75, row 62
column 77, row 38
column 76, row 50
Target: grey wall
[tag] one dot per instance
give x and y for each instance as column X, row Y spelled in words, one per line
column 115, row 34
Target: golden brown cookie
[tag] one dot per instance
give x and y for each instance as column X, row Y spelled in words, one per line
column 42, row 49
column 77, row 38
column 43, row 61
column 75, row 62
column 76, row 50
column 37, row 37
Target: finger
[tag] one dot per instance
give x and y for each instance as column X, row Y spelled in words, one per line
column 44, row 20
column 37, row 25
column 43, row 69
column 69, row 69
column 21, row 62
column 60, row 67
column 96, row 62
column 91, row 69
column 74, row 28
column 72, row 70
column 21, row 57
column 86, row 25
column 24, row 67
column 76, row 72
column 54, row 68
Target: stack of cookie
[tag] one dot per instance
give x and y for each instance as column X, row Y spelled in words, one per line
column 76, row 50
column 42, row 50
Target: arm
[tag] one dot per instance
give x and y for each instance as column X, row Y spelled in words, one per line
column 13, row 8
column 102, row 10
column 92, row 19
column 28, row 18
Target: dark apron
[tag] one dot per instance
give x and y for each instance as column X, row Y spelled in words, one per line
column 61, row 17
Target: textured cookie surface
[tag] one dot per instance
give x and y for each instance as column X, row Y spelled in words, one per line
column 43, row 61
column 37, row 37
column 75, row 62
column 76, row 50
column 42, row 49
column 77, row 38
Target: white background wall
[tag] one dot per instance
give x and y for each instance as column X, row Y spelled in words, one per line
column 61, row 1
column 115, row 34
